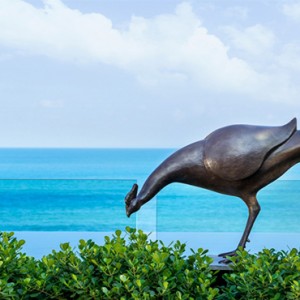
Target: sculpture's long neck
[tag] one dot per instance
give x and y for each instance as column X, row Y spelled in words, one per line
column 181, row 166
column 155, row 182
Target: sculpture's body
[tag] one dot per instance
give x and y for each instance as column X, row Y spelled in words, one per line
column 237, row 160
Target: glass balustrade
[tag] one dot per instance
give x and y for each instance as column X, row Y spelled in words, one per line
column 182, row 208
column 64, row 205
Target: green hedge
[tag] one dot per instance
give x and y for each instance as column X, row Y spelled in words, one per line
column 267, row 275
column 131, row 266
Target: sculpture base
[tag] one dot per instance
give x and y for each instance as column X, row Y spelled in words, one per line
column 216, row 265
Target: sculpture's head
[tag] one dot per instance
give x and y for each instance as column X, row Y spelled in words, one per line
column 130, row 200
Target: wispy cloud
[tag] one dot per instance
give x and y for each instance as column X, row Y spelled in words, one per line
column 174, row 47
column 292, row 10
column 168, row 46
column 254, row 40
column 51, row 104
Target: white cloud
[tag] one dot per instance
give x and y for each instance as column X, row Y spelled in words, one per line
column 292, row 11
column 167, row 47
column 289, row 57
column 57, row 31
column 170, row 48
column 254, row 40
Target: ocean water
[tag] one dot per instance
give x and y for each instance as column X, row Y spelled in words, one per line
column 64, row 205
column 84, row 190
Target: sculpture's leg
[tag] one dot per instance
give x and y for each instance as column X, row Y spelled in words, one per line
column 254, row 209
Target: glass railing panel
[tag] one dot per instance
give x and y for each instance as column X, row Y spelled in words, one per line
column 182, row 208
column 98, row 205
column 64, row 205
column 146, row 218
column 280, row 207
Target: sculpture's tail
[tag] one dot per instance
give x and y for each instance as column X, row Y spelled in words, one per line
column 131, row 195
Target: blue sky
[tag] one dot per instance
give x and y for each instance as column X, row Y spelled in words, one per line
column 124, row 73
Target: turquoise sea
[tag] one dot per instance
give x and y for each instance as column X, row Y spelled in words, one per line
column 84, row 190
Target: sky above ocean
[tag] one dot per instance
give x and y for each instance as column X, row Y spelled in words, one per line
column 127, row 73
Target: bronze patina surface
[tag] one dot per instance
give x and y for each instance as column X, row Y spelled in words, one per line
column 236, row 160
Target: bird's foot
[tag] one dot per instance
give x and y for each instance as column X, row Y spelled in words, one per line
column 225, row 256
column 230, row 253
column 131, row 203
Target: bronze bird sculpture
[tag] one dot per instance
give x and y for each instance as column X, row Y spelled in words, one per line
column 236, row 160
